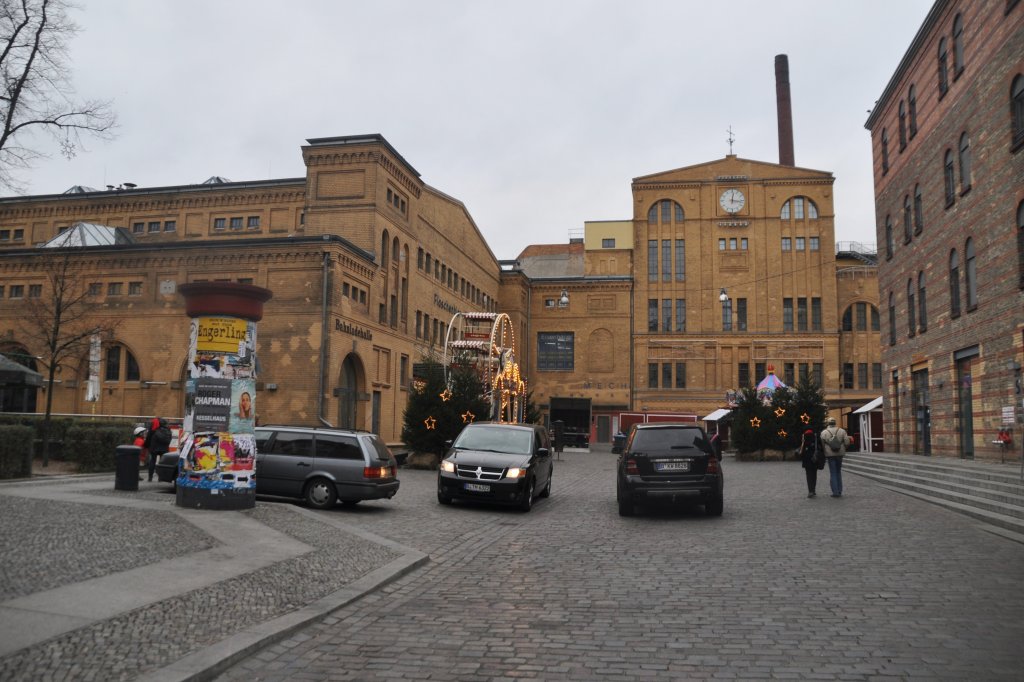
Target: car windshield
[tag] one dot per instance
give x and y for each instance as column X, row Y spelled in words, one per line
column 496, row 439
column 668, row 439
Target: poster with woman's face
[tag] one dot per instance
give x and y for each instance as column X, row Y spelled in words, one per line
column 243, row 406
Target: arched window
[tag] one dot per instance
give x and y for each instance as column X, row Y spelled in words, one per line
column 419, row 258
column 117, row 369
column 903, row 125
column 970, row 275
column 385, row 248
column 911, row 309
column 954, row 284
column 965, row 163
column 885, row 151
column 918, row 210
column 665, row 212
column 1017, row 109
column 922, row 306
column 1020, row 242
column 912, row 107
column 949, row 179
column 848, row 319
column 958, row 45
column 888, row 238
column 874, row 319
column 394, row 250
column 892, row 319
column 799, row 208
column 943, row 68
column 906, row 218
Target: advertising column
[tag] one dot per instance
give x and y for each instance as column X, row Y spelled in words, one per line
column 218, row 462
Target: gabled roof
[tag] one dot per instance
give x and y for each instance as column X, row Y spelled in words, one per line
column 731, row 167
column 89, row 234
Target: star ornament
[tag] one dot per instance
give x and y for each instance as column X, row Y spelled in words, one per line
column 782, row 433
column 755, row 423
column 780, row 411
column 445, row 395
column 805, row 418
column 468, row 417
column 430, row 423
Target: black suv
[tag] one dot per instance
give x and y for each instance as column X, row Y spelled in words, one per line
column 501, row 463
column 669, row 462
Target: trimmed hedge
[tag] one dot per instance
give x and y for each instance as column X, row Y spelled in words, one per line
column 94, row 446
column 15, row 462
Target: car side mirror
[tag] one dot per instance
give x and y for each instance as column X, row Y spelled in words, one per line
column 447, row 443
column 543, row 452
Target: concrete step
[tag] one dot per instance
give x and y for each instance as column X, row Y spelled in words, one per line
column 987, row 492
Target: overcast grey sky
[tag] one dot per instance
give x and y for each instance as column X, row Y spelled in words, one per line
column 535, row 114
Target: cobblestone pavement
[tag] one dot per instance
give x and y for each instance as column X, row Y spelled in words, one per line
column 871, row 586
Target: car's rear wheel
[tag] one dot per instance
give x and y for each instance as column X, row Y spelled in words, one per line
column 320, row 493
column 714, row 507
column 547, row 488
column 526, row 503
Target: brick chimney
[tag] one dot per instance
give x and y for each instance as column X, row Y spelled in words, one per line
column 785, row 109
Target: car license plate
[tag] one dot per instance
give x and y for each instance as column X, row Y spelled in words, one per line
column 671, row 466
column 478, row 488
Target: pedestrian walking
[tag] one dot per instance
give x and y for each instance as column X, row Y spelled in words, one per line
column 834, row 440
column 812, row 459
column 157, row 442
column 139, row 441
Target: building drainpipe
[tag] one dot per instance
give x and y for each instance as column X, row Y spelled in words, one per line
column 325, row 271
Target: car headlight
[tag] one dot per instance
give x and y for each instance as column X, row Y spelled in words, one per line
column 447, row 466
column 515, row 472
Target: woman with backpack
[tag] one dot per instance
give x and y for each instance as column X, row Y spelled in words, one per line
column 157, row 442
column 812, row 460
column 834, row 441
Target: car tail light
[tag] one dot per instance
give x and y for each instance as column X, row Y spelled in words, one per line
column 380, row 472
column 631, row 467
column 712, row 465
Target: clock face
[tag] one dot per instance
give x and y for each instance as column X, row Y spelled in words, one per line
column 732, row 200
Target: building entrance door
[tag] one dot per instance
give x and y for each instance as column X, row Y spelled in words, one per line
column 965, row 400
column 604, row 428
column 347, row 395
column 922, row 412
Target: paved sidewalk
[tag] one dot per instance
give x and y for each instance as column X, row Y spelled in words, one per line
column 176, row 592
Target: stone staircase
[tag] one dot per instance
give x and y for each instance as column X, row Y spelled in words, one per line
column 989, row 492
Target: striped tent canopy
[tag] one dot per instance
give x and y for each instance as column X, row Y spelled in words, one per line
column 768, row 385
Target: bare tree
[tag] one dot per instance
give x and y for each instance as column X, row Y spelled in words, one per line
column 61, row 323
column 36, row 92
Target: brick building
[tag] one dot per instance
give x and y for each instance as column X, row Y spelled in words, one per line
column 948, row 146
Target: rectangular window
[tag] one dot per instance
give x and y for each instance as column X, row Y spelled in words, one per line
column 733, row 243
column 35, row 290
column 652, row 314
column 862, row 317
column 19, row 235
column 154, row 226
column 219, row 223
column 787, row 244
column 113, row 367
column 555, row 351
column 608, row 243
column 743, row 244
column 419, row 323
column 382, row 313
column 787, row 314
column 759, row 371
column 666, row 260
column 743, row 378
column 134, row 288
column 876, row 375
column 816, row 314
column 727, row 315
column 741, row 314
column 652, row 375
column 5, row 235
column 680, row 314
column 403, row 371
column 666, row 375
column 801, row 314
column 131, row 367
column 721, row 244
column 799, row 243
column 798, row 208
column 847, row 375
column 652, row 260
column 818, row 373
column 170, row 226
column 95, row 288
column 815, row 244
column 114, row 288
column 1, row 290
column 253, row 222
column 804, row 371
column 862, row 375
column 236, row 223
column 680, row 375
column 789, row 370
column 680, row 260
column 666, row 315
column 138, row 228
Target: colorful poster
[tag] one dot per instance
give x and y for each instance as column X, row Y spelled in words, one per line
column 243, row 406
column 211, row 404
column 221, row 335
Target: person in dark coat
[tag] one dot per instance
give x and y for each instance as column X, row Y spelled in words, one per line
column 158, row 441
column 812, row 459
